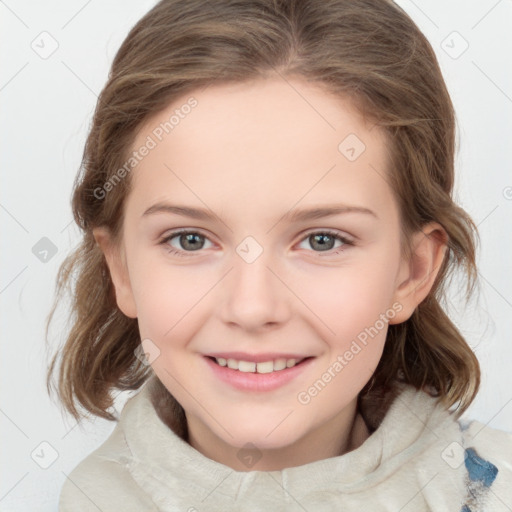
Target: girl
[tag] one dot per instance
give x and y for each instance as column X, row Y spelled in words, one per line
column 298, row 358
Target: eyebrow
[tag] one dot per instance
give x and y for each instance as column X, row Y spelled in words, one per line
column 317, row 212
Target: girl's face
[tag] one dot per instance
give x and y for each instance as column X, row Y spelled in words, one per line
column 265, row 273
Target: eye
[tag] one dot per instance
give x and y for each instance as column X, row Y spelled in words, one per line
column 190, row 241
column 324, row 240
column 193, row 241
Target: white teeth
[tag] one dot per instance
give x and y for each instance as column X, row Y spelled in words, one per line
column 232, row 363
column 266, row 367
column 279, row 364
column 246, row 366
column 251, row 367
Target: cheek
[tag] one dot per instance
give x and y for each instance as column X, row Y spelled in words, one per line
column 171, row 300
column 349, row 298
column 350, row 310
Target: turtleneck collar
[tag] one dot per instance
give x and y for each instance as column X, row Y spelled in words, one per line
column 160, row 455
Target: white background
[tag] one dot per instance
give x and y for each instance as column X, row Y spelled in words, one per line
column 46, row 107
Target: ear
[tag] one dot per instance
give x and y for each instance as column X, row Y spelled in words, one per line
column 116, row 262
column 417, row 275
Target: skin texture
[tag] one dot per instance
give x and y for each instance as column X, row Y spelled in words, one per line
column 251, row 152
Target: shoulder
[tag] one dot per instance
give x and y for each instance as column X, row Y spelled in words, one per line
column 491, row 442
column 488, row 462
column 465, row 463
column 484, row 455
column 102, row 482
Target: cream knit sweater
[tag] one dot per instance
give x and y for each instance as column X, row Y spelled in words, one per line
column 418, row 459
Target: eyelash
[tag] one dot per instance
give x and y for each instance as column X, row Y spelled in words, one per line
column 176, row 252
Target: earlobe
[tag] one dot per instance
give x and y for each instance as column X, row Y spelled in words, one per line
column 118, row 271
column 417, row 275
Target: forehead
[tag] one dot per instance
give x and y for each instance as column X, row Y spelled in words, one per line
column 258, row 143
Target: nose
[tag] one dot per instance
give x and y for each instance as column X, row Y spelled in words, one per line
column 254, row 296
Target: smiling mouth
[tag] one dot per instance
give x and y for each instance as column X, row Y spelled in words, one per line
column 274, row 366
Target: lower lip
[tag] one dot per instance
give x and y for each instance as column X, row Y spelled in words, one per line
column 247, row 381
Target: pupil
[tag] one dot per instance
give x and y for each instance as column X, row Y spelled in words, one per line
column 322, row 244
column 189, row 239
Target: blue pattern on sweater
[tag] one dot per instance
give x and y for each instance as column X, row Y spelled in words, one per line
column 479, row 470
column 480, row 476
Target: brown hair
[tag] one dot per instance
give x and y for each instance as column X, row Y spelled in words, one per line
column 369, row 51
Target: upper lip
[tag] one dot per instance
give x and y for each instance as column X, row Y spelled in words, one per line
column 256, row 358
